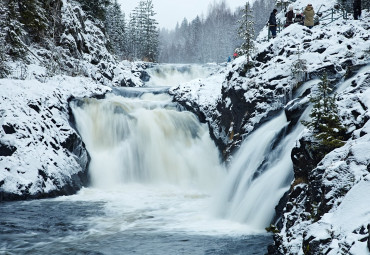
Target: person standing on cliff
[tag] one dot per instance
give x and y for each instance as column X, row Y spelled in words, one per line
column 272, row 23
column 289, row 16
column 308, row 16
column 356, row 9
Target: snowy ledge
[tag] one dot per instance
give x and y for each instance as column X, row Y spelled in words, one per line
column 40, row 153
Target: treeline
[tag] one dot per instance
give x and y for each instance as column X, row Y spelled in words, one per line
column 205, row 39
column 23, row 23
column 210, row 39
column 136, row 38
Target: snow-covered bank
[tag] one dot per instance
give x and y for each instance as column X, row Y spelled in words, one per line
column 40, row 153
column 241, row 100
column 246, row 99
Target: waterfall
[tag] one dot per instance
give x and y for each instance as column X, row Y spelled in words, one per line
column 146, row 140
column 171, row 74
column 259, row 175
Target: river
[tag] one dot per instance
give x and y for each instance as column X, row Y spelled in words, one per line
column 155, row 176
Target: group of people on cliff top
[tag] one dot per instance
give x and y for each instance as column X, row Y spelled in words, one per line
column 306, row 18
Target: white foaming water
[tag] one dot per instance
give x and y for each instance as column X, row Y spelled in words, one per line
column 145, row 140
column 259, row 175
column 156, row 169
column 171, row 74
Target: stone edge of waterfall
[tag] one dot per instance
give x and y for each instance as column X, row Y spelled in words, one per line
column 47, row 156
column 244, row 100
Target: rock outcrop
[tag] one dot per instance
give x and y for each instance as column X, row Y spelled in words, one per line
column 41, row 154
column 329, row 189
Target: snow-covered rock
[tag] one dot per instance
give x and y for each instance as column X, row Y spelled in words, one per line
column 248, row 98
column 327, row 192
column 327, row 210
column 40, row 152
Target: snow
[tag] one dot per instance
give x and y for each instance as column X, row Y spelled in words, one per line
column 204, row 92
column 39, row 114
column 340, row 224
column 345, row 180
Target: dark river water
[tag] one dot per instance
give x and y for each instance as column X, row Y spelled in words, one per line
column 83, row 226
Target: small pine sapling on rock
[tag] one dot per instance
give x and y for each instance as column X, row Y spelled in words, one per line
column 246, row 32
column 299, row 70
column 325, row 123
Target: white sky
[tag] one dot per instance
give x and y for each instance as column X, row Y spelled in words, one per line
column 169, row 12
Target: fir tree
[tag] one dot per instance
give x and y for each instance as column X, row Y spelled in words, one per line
column 4, row 69
column 116, row 29
column 325, row 123
column 299, row 69
column 14, row 30
column 96, row 8
column 132, row 42
column 246, row 32
column 143, row 34
column 33, row 17
column 150, row 32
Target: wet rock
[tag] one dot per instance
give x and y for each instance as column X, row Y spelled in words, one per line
column 127, row 83
column 144, row 76
column 9, row 129
column 34, row 107
column 7, row 150
column 264, row 56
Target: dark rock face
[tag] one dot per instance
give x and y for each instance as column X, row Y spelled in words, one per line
column 368, row 239
column 127, row 83
column 9, row 129
column 144, row 76
column 322, row 180
column 7, row 150
column 63, row 168
column 306, row 157
column 265, row 56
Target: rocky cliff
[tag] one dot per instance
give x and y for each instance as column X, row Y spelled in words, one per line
column 41, row 153
column 325, row 211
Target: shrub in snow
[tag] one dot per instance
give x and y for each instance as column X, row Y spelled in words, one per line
column 299, row 69
column 325, row 123
column 246, row 32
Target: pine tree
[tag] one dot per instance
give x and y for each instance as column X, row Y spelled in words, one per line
column 299, row 69
column 325, row 123
column 131, row 37
column 246, row 32
column 143, row 35
column 150, row 32
column 96, row 8
column 14, row 30
column 116, row 29
column 4, row 68
column 33, row 17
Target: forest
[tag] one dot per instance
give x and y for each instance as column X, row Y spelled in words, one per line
column 210, row 37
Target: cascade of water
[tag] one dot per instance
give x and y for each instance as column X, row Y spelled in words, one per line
column 259, row 175
column 169, row 75
column 145, row 140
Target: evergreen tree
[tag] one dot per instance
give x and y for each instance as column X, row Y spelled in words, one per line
column 132, row 41
column 4, row 69
column 325, row 123
column 116, row 29
column 96, row 8
column 33, row 17
column 299, row 69
column 205, row 39
column 150, row 32
column 143, row 35
column 246, row 32
column 14, row 30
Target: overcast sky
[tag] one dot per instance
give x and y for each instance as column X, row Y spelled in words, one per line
column 169, row 12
